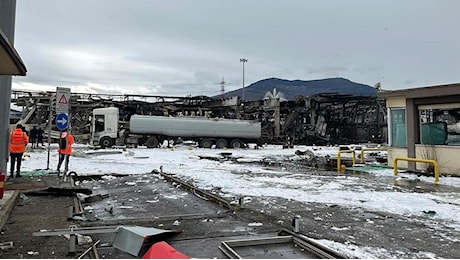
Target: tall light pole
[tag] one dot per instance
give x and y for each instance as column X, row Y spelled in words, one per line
column 243, row 60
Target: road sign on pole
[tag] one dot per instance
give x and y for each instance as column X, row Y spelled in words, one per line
column 62, row 100
column 62, row 121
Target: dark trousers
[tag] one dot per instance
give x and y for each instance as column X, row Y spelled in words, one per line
column 63, row 157
column 16, row 158
column 33, row 140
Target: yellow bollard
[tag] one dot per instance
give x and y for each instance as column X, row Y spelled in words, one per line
column 435, row 164
column 338, row 162
column 339, row 158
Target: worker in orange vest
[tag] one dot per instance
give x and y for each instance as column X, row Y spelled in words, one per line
column 65, row 149
column 18, row 143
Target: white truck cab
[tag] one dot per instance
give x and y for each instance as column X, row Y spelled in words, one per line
column 104, row 126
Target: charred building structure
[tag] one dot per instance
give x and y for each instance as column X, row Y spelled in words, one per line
column 318, row 119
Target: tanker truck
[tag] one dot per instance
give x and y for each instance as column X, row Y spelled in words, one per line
column 151, row 131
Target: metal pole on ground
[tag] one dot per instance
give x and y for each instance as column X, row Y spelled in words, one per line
column 50, row 116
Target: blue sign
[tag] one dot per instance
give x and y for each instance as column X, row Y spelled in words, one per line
column 62, row 121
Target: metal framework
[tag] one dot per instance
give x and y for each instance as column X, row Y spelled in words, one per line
column 318, row 119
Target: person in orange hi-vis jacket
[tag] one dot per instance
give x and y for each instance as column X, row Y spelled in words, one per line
column 65, row 149
column 18, row 143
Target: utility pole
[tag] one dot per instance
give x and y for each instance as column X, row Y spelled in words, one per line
column 7, row 20
column 243, row 60
column 222, row 89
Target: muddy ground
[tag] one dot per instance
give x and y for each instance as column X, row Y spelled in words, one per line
column 32, row 214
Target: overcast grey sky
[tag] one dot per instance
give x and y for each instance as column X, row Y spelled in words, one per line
column 185, row 47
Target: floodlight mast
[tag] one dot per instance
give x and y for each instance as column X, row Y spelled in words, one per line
column 243, row 60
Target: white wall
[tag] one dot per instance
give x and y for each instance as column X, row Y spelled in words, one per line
column 447, row 157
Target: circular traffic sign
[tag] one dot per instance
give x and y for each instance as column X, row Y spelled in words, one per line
column 62, row 121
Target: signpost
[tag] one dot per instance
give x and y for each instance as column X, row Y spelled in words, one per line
column 62, row 115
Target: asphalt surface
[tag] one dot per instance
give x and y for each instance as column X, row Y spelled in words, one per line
column 201, row 225
column 39, row 205
column 149, row 200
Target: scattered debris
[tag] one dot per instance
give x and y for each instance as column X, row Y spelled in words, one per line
column 81, row 239
column 132, row 239
column 255, row 224
column 430, row 213
column 95, row 197
column 6, row 245
column 35, row 253
column 110, row 210
column 79, row 218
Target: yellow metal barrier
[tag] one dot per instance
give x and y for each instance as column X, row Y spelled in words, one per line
column 435, row 164
column 371, row 149
column 339, row 155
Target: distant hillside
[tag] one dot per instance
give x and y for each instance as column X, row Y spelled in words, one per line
column 293, row 88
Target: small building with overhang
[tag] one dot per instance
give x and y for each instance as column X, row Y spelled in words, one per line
column 424, row 123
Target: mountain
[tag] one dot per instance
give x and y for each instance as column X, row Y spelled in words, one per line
column 293, row 88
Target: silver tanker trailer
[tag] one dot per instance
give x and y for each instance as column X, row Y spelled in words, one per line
column 152, row 131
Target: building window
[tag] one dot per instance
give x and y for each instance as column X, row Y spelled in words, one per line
column 439, row 125
column 398, row 128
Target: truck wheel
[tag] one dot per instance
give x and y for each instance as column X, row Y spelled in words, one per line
column 221, row 143
column 106, row 142
column 236, row 143
column 152, row 142
column 206, row 143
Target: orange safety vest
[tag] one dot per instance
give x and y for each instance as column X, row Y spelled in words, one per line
column 70, row 141
column 18, row 141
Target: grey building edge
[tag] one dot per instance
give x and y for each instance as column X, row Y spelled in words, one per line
column 10, row 61
column 424, row 92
